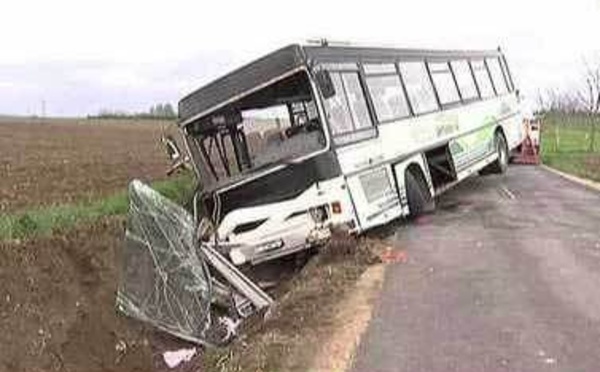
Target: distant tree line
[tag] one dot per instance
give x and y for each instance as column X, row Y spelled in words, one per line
column 158, row 111
column 583, row 97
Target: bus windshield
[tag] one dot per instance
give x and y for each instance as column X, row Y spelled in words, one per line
column 276, row 124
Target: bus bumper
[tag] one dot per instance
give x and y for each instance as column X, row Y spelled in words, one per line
column 272, row 248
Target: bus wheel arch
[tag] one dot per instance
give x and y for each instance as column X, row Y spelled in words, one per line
column 500, row 165
column 499, row 131
column 418, row 196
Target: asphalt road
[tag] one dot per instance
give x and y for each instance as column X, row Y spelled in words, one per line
column 505, row 276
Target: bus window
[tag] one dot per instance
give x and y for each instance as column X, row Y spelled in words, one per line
column 418, row 87
column 386, row 92
column 444, row 83
column 356, row 101
column 338, row 112
column 507, row 77
column 464, row 79
column 347, row 110
column 482, row 78
column 379, row 68
column 497, row 76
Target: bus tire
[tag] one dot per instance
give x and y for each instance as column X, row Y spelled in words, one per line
column 418, row 196
column 500, row 165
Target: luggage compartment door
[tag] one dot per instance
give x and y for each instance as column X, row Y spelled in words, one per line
column 375, row 196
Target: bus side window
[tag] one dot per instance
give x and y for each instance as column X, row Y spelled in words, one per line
column 444, row 82
column 507, row 77
column 386, row 91
column 482, row 78
column 418, row 86
column 357, row 101
column 347, row 110
column 338, row 112
column 497, row 75
column 464, row 78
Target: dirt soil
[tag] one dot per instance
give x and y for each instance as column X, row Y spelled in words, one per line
column 57, row 310
column 67, row 160
column 306, row 316
column 57, row 305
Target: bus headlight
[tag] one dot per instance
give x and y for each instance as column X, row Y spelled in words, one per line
column 318, row 214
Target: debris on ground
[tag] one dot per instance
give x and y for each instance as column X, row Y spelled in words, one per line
column 305, row 314
column 174, row 358
column 175, row 282
column 393, row 255
column 58, row 295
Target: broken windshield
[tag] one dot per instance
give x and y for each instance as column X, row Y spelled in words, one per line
column 168, row 277
column 276, row 124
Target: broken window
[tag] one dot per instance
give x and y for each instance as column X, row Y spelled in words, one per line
column 273, row 125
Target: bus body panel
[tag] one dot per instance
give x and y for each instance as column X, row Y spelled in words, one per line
column 375, row 196
column 468, row 130
column 400, row 139
column 286, row 226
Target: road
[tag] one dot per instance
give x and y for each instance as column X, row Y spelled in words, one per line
column 504, row 276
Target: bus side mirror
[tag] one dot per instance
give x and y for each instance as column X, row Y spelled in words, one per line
column 177, row 160
column 325, row 83
column 171, row 147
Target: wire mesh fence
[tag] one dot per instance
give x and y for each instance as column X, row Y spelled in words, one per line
column 571, row 143
column 567, row 133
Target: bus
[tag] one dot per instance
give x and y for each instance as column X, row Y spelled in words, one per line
column 311, row 138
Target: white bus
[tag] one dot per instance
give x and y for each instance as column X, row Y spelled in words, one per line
column 309, row 138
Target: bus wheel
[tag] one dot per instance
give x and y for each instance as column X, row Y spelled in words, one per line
column 501, row 163
column 419, row 198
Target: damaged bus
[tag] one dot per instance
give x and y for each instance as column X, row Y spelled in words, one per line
column 310, row 138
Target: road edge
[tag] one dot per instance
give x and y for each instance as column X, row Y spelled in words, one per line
column 582, row 181
column 354, row 315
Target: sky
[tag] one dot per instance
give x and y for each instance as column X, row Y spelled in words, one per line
column 80, row 57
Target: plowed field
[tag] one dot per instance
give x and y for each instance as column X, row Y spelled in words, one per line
column 58, row 161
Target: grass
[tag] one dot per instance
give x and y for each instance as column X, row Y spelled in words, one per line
column 581, row 165
column 568, row 144
column 304, row 316
column 45, row 220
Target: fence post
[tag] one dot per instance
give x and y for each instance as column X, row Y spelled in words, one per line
column 593, row 132
column 556, row 138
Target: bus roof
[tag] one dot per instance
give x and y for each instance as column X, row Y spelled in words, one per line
column 291, row 59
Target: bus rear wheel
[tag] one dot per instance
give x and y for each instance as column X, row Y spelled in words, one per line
column 418, row 196
column 499, row 165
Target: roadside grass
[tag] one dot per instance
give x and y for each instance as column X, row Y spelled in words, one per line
column 579, row 164
column 306, row 314
column 570, row 144
column 45, row 220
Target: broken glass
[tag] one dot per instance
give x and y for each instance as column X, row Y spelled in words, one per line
column 163, row 280
column 166, row 278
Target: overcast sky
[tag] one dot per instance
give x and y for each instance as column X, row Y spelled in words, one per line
column 83, row 56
